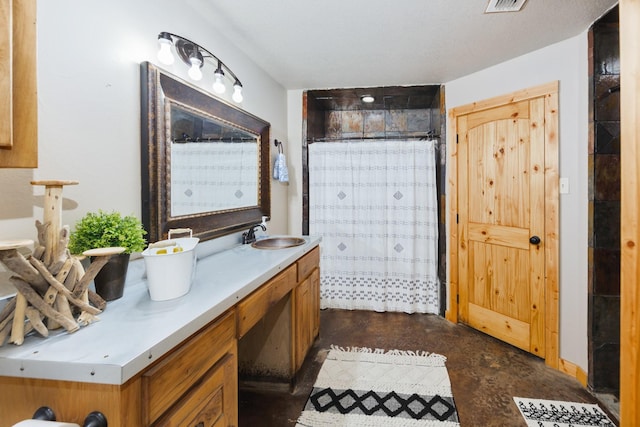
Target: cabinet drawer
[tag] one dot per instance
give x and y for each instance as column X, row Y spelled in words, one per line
column 307, row 263
column 255, row 306
column 210, row 403
column 166, row 382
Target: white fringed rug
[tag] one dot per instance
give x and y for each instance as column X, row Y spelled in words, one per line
column 363, row 387
column 556, row 413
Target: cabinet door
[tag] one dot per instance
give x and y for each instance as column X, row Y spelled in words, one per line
column 315, row 302
column 306, row 315
column 302, row 321
column 18, row 85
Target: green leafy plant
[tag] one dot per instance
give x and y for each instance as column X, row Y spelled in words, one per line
column 102, row 230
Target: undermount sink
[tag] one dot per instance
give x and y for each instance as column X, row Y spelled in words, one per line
column 278, row 242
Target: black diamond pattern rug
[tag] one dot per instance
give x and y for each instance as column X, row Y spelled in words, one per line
column 555, row 413
column 364, row 387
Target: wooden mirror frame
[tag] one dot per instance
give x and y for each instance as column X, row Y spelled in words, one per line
column 157, row 86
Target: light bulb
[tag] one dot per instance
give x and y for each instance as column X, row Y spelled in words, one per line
column 237, row 92
column 218, row 85
column 194, row 72
column 164, row 54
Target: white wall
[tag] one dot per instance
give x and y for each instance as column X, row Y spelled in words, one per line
column 566, row 62
column 89, row 105
column 295, row 160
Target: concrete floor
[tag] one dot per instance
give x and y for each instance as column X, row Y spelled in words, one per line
column 485, row 373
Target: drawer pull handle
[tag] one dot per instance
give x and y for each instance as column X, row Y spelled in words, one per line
column 95, row 419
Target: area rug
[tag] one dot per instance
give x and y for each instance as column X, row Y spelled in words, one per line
column 364, row 387
column 556, row 413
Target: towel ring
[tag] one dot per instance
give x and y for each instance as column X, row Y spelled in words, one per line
column 278, row 145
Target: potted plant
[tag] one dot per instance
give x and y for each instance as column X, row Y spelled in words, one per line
column 102, row 230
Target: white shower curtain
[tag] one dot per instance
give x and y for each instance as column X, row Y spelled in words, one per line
column 375, row 205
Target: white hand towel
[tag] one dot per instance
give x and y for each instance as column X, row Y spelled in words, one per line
column 281, row 166
column 276, row 168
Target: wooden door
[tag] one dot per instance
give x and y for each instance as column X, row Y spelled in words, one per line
column 630, row 232
column 501, row 222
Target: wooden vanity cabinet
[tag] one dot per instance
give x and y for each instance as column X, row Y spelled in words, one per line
column 196, row 383
column 306, row 306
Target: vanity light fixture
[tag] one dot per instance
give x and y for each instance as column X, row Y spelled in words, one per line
column 368, row 99
column 194, row 56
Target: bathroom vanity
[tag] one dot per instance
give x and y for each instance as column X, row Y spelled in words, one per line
column 175, row 363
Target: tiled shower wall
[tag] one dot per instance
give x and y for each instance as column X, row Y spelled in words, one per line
column 379, row 123
column 604, row 205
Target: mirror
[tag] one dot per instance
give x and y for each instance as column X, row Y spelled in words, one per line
column 205, row 163
column 213, row 164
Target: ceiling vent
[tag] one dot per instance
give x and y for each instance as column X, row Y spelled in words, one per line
column 496, row 6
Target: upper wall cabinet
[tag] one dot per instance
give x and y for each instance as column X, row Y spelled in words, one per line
column 18, row 96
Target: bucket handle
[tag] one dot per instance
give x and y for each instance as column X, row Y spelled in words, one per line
column 169, row 242
column 180, row 231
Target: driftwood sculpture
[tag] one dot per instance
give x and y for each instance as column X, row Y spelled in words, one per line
column 52, row 285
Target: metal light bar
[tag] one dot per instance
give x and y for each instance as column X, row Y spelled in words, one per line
column 194, row 56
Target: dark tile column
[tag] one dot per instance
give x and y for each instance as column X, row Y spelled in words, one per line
column 604, row 206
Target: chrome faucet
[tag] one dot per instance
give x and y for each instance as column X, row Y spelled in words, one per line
column 249, row 235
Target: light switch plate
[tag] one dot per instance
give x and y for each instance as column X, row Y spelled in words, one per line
column 564, row 185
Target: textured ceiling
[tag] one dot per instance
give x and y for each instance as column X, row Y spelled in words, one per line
column 307, row 44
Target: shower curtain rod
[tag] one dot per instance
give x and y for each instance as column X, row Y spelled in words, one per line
column 185, row 140
column 370, row 138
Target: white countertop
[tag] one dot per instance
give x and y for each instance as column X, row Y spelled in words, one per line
column 135, row 331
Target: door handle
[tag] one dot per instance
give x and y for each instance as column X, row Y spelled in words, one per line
column 534, row 240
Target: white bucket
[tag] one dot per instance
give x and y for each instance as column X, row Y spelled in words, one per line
column 171, row 265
